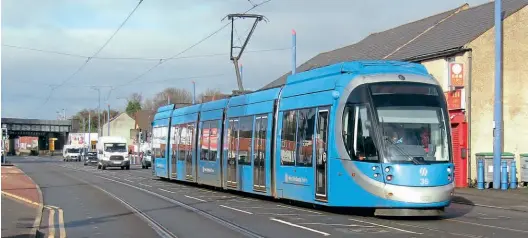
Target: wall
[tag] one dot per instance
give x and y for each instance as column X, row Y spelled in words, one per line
column 515, row 86
column 120, row 126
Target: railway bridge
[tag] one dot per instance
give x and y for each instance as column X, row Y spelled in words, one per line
column 54, row 132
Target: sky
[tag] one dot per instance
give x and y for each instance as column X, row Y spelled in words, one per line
column 163, row 28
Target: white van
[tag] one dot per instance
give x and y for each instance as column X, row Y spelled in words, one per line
column 112, row 151
column 71, row 153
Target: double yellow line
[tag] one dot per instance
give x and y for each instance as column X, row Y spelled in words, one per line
column 51, row 221
column 51, row 218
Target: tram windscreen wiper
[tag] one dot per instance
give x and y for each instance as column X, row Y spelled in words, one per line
column 415, row 160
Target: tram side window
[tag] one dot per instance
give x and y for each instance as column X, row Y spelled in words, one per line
column 232, row 140
column 213, row 140
column 191, row 128
column 163, row 140
column 305, row 137
column 245, row 138
column 261, row 124
column 175, row 140
column 183, row 141
column 358, row 133
column 288, row 139
column 204, row 141
column 155, row 142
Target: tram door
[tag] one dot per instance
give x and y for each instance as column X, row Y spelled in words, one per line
column 321, row 153
column 233, row 139
column 259, row 155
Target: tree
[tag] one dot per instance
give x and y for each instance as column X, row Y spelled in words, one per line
column 180, row 97
column 210, row 95
column 134, row 104
column 83, row 116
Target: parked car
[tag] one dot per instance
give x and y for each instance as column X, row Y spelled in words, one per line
column 90, row 158
column 146, row 159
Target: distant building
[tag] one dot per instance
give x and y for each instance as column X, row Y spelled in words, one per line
column 120, row 126
column 457, row 48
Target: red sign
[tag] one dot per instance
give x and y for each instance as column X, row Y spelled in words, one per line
column 456, row 73
column 454, row 99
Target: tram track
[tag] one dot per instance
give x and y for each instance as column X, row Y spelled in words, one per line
column 233, row 226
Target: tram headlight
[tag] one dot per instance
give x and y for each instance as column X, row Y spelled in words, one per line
column 449, row 169
column 376, row 175
column 389, row 177
column 449, row 177
column 387, row 169
column 374, row 168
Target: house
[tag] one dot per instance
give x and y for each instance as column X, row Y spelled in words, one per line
column 120, row 126
column 458, row 49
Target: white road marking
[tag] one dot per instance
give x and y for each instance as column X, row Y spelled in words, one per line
column 195, row 198
column 145, row 185
column 128, row 180
column 299, row 209
column 238, row 210
column 490, row 226
column 299, row 226
column 390, row 227
column 165, row 190
column 334, row 224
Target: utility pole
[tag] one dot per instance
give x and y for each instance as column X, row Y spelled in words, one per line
column 497, row 115
column 194, row 92
column 236, row 58
column 108, row 119
column 294, row 51
column 89, row 131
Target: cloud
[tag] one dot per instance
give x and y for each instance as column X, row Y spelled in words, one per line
column 162, row 28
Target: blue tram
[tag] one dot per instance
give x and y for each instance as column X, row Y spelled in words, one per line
column 372, row 134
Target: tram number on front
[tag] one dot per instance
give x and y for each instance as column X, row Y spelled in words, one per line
column 424, row 181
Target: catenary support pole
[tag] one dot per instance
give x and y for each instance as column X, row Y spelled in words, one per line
column 294, row 51
column 497, row 114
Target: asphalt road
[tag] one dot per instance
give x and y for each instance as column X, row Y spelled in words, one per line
column 132, row 203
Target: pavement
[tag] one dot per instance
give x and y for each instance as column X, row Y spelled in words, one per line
column 511, row 199
column 132, row 203
column 21, row 203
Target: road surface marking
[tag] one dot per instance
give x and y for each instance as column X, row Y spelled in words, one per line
column 299, row 226
column 437, row 230
column 195, row 198
column 212, row 217
column 334, row 224
column 165, row 190
column 20, row 198
column 128, row 180
column 51, row 224
column 145, row 185
column 490, row 226
column 62, row 230
column 299, row 209
column 236, row 209
column 389, row 227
